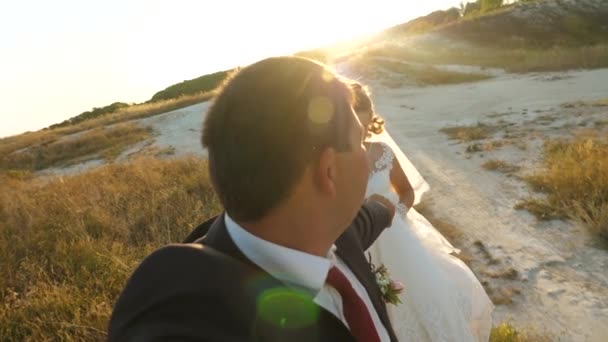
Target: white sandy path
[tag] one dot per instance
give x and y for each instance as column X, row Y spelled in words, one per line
column 180, row 129
column 567, row 280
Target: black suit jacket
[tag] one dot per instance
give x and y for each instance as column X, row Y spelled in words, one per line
column 209, row 291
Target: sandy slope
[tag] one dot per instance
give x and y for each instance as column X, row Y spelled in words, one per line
column 180, row 129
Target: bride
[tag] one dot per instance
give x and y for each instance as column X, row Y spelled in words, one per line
column 442, row 300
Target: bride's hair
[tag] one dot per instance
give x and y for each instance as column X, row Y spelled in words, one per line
column 363, row 106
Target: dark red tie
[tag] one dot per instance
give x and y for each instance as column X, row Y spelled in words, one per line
column 357, row 315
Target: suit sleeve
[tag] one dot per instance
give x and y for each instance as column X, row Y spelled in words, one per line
column 181, row 293
column 372, row 219
column 191, row 292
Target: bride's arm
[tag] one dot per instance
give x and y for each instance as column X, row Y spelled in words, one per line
column 402, row 185
column 378, row 151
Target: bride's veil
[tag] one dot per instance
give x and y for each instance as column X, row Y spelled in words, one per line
column 436, row 296
column 418, row 183
column 425, row 231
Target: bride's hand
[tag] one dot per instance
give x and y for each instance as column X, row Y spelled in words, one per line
column 385, row 202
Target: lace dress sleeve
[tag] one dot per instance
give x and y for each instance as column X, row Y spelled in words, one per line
column 384, row 166
column 385, row 162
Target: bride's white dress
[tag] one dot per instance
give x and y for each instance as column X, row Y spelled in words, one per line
column 442, row 300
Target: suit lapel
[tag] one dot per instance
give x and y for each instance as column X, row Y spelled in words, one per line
column 351, row 253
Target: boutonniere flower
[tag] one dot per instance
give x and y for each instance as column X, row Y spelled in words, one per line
column 390, row 289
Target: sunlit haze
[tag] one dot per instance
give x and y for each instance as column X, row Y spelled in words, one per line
column 60, row 58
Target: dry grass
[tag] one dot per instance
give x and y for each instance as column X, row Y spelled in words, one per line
column 593, row 103
column 68, row 244
column 154, row 151
column 500, row 166
column 485, row 254
column 434, row 76
column 138, row 111
column 600, row 103
column 575, row 181
column 474, row 147
column 490, row 145
column 545, row 120
column 600, row 123
column 154, row 108
column 469, row 133
column 539, row 208
column 100, row 142
column 422, row 75
column 554, row 59
column 429, row 75
column 502, row 295
column 519, row 60
column 507, row 273
column 494, row 144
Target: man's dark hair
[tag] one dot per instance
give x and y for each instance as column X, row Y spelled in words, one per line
column 266, row 125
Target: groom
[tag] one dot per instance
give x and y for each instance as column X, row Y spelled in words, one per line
column 285, row 261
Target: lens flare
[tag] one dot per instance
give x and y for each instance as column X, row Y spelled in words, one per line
column 320, row 110
column 287, row 308
column 327, row 76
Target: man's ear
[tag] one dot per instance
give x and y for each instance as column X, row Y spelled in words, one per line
column 326, row 171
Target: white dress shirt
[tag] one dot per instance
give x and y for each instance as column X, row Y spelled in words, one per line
column 304, row 270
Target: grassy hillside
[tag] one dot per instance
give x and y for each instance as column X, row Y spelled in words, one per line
column 92, row 114
column 511, row 59
column 205, row 83
column 545, row 35
column 104, row 136
column 424, row 24
column 68, row 244
column 533, row 24
column 181, row 94
column 536, row 24
column 97, row 143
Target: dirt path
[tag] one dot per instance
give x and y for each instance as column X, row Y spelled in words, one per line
column 555, row 275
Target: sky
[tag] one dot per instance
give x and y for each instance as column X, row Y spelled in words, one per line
column 63, row 57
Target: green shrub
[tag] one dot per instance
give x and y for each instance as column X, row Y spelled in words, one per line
column 205, row 83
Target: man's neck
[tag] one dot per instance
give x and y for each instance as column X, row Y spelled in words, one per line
column 301, row 229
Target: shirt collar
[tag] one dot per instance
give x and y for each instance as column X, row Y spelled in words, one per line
column 288, row 265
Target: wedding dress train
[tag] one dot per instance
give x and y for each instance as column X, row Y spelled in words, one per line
column 442, row 300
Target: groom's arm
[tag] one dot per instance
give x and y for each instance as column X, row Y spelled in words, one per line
column 183, row 293
column 371, row 220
